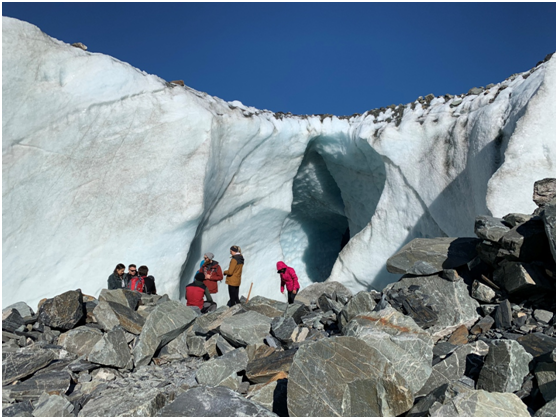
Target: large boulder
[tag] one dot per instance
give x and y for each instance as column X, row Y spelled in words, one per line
column 23, row 309
column 505, row 366
column 80, row 340
column 112, row 351
column 266, row 306
column 490, row 228
column 218, row 371
column 53, row 382
column 521, row 278
column 539, row 345
column 544, row 191
column 310, row 294
column 345, row 376
column 63, row 311
column 24, row 362
column 210, row 322
column 526, row 242
column 450, row 301
column 362, row 302
column 282, row 328
column 246, row 328
column 164, row 323
column 398, row 338
column 271, row 395
column 122, row 296
column 125, row 401
column 111, row 315
column 53, row 406
column 430, row 256
column 263, row 369
column 203, row 401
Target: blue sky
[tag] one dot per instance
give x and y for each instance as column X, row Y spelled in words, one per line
column 311, row 58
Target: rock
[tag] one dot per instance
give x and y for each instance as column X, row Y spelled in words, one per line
column 526, row 242
column 266, row 306
column 211, row 346
column 57, row 382
column 482, row 293
column 483, row 325
column 515, row 219
column 203, row 401
column 64, row 311
column 179, row 345
column 223, row 346
column 164, row 323
column 345, row 376
column 459, row 336
column 53, row 406
column 23, row 409
column 297, row 310
column 23, row 309
column 300, row 334
column 517, row 277
column 490, row 228
column 539, row 345
column 217, row 370
column 547, row 411
column 310, row 294
column 263, row 394
column 12, row 320
column 111, row 315
column 263, row 369
column 196, row 345
column 450, row 274
column 326, row 304
column 80, row 340
column 79, row 45
column 443, row 349
column 126, row 401
column 209, row 322
column 549, row 220
column 543, row 315
column 246, row 328
column 112, row 350
column 362, row 302
column 282, row 328
column 545, row 372
column 125, row 297
column 25, row 362
column 449, row 300
column 80, row 365
column 503, row 315
column 456, row 102
column 399, row 340
column 430, row 256
column 544, row 191
column 505, row 366
column 475, row 91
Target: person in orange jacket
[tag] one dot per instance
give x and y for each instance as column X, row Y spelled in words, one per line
column 234, row 275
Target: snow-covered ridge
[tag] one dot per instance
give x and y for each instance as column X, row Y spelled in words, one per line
column 103, row 163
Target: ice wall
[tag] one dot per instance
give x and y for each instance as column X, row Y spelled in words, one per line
column 103, row 163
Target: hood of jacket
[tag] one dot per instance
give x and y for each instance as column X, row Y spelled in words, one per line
column 281, row 265
column 239, row 259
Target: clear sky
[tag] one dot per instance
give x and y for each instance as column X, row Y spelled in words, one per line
column 311, row 58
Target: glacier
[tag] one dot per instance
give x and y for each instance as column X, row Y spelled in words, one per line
column 105, row 164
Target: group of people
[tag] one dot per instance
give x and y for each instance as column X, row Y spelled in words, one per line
column 136, row 279
column 209, row 274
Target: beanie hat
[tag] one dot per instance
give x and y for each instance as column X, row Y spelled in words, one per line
column 199, row 277
column 209, row 255
column 235, row 249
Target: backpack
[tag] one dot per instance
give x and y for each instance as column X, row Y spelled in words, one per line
column 137, row 283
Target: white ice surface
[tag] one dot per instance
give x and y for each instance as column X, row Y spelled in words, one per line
column 103, row 163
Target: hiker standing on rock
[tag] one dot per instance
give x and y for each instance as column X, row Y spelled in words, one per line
column 212, row 272
column 288, row 280
column 117, row 279
column 234, row 275
column 195, row 293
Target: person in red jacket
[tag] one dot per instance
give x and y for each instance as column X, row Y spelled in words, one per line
column 195, row 293
column 288, row 280
column 212, row 272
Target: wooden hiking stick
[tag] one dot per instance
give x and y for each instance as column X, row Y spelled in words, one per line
column 249, row 291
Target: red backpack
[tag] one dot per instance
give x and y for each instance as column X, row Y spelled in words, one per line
column 137, row 283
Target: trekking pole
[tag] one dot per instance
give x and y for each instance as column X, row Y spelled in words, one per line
column 249, row 291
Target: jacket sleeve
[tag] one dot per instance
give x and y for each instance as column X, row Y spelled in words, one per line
column 232, row 268
column 217, row 275
column 208, row 296
column 282, row 284
column 296, row 285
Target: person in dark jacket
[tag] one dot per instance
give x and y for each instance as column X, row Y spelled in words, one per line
column 196, row 291
column 132, row 271
column 148, row 280
column 212, row 273
column 117, row 280
column 234, row 275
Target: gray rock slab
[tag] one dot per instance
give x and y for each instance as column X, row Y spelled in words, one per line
column 517, row 277
column 539, row 345
column 398, row 338
column 548, row 410
column 545, row 373
column 196, row 345
column 549, row 219
column 429, row 256
column 544, row 191
column 128, row 401
column 23, row 309
column 482, row 293
column 327, row 304
column 526, row 242
column 12, row 320
column 543, row 315
column 63, row 311
column 112, row 350
column 124, row 297
column 164, row 323
column 344, row 376
column 282, row 328
column 216, row 370
column 53, row 406
column 263, row 395
column 179, row 345
column 483, row 325
column 266, row 306
column 449, row 300
column 261, row 370
column 297, row 310
column 203, row 401
column 23, row 363
column 23, row 409
column 246, row 328
column 362, row 302
column 80, row 340
column 310, row 294
column 503, row 316
column 223, row 346
column 490, row 228
column 514, row 219
column 210, row 322
column 505, row 366
column 57, row 382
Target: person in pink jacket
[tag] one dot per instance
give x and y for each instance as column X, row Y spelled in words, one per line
column 289, row 280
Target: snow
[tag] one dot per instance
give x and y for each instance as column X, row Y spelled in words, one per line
column 105, row 164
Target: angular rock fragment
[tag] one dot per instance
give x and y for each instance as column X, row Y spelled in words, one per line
column 282, row 328
column 543, row 316
column 548, row 410
column 459, row 336
column 203, row 401
column 545, row 373
column 57, row 382
column 503, row 315
column 80, row 340
column 125, row 297
column 544, row 191
column 539, row 345
column 246, row 328
column 125, row 402
column 297, row 310
column 482, row 293
column 24, row 363
column 310, row 294
column 196, row 346
column 490, row 228
column 483, row 325
column 362, row 302
column 266, row 306
column 23, row 309
column 549, row 219
column 514, row 219
column 23, row 409
column 262, row 370
column 217, row 370
column 53, row 406
column 112, row 350
column 179, row 345
column 223, row 346
column 430, row 256
column 344, row 376
column 505, row 366
column 64, row 311
column 263, row 394
column 203, row 325
column 526, row 242
column 12, row 320
column 326, row 304
column 164, row 323
column 517, row 277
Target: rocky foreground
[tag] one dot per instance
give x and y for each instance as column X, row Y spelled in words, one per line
column 469, row 330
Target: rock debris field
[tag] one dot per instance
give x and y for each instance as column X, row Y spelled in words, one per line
column 469, row 330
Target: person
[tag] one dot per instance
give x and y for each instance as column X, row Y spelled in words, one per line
column 195, row 293
column 116, row 280
column 234, row 275
column 148, row 280
column 212, row 272
column 132, row 271
column 289, row 280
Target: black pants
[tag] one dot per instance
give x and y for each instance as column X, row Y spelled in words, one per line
column 292, row 296
column 233, row 296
